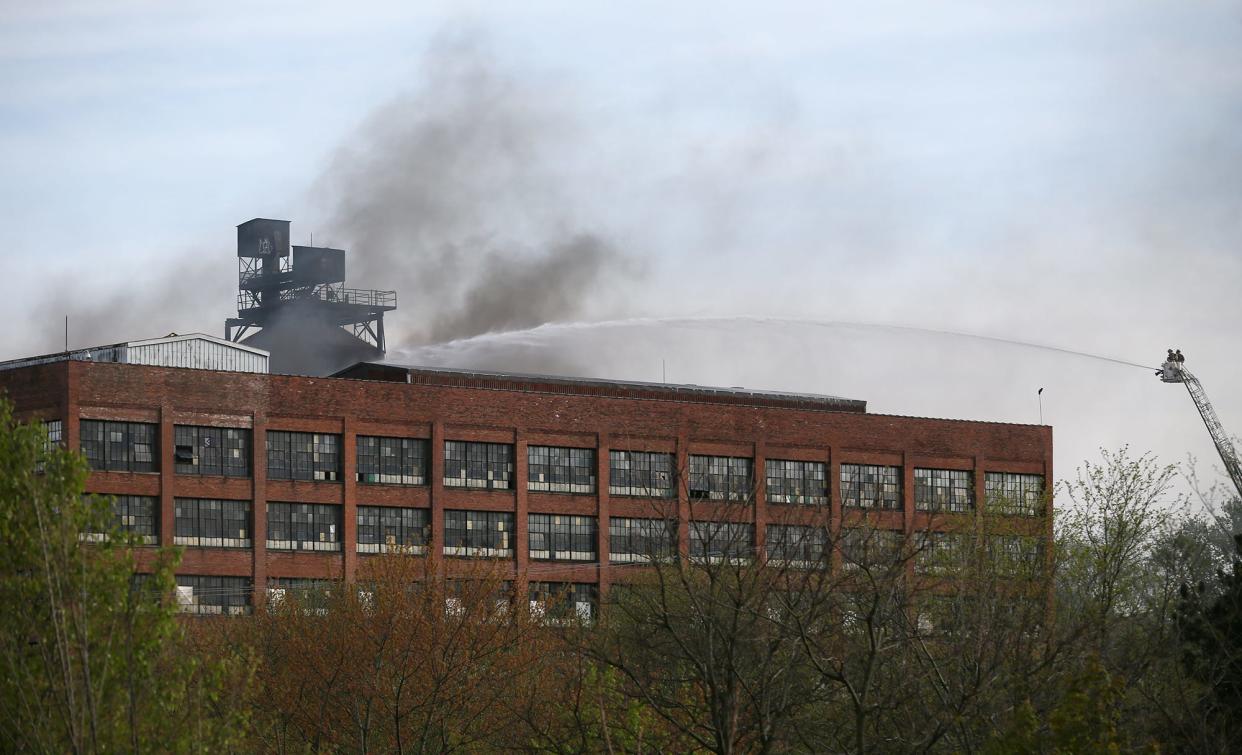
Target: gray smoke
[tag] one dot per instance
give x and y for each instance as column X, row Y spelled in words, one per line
column 194, row 294
column 458, row 195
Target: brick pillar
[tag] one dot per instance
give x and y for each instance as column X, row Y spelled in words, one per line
column 167, row 468
column 521, row 544
column 682, row 461
column 759, row 471
column 435, row 548
column 602, row 468
column 907, row 505
column 349, row 501
column 73, row 424
column 834, row 507
column 258, row 507
column 980, row 501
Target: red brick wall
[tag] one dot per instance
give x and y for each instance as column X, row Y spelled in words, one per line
column 493, row 410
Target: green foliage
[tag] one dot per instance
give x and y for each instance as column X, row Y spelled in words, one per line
column 1085, row 719
column 1210, row 619
column 89, row 659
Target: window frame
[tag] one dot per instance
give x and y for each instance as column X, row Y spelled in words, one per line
column 195, row 525
column 474, row 465
column 806, row 480
column 325, row 521
column 498, row 530
column 397, row 460
column 877, row 475
column 722, row 478
column 629, row 470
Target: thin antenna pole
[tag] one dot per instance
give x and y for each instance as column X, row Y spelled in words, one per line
column 1040, row 394
column 663, row 372
column 66, row 332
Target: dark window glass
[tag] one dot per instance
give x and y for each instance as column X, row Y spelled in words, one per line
column 944, row 490
column 311, row 594
column 641, row 540
column 392, row 461
column 555, row 469
column 55, row 433
column 864, row 547
column 135, row 514
column 487, row 466
column 640, row 473
column 558, row 602
column 119, row 446
column 387, row 529
column 1017, row 555
column 555, row 537
column 802, row 482
column 718, row 541
column 212, row 450
column 483, row 534
column 212, row 523
column 1013, row 493
column 941, row 552
column 870, row 486
column 720, row 478
column 304, row 526
column 213, row 595
column 303, row 456
column 797, row 546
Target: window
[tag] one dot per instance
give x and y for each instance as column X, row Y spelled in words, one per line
column 119, row 446
column 387, row 529
column 212, row 450
column 641, row 540
column 871, row 487
column 562, row 538
column 213, row 595
column 311, row 594
column 392, row 461
column 303, row 456
column 944, row 490
column 641, row 474
column 797, row 546
column 560, row 470
column 941, row 552
column 1012, row 493
column 137, row 515
column 718, row 541
column 864, row 547
column 211, row 523
column 55, row 430
column 303, row 526
column 803, row 482
column 720, row 478
column 488, row 466
column 485, row 534
column 560, row 602
column 1016, row 555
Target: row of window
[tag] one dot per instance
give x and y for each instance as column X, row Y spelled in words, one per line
column 555, row 601
column 551, row 537
column 489, row 466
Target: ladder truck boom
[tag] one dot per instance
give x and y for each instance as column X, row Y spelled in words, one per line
column 1174, row 371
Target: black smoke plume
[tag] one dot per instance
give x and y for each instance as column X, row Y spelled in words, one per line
column 459, row 195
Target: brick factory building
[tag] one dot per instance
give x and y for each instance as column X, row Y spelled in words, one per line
column 269, row 481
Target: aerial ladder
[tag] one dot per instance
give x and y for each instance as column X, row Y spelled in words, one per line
column 1174, row 371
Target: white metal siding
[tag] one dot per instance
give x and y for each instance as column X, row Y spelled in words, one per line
column 197, row 353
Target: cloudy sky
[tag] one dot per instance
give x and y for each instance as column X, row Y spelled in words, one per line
column 1062, row 173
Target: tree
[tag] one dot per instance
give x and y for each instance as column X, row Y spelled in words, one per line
column 90, row 659
column 402, row 661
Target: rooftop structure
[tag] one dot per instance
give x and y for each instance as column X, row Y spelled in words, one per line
column 296, row 300
column 193, row 350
